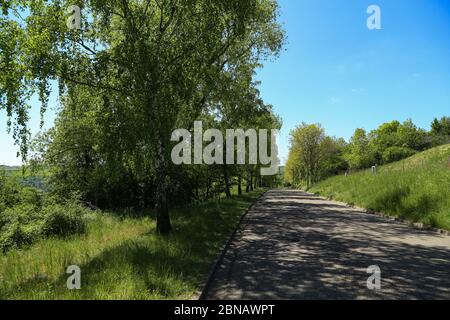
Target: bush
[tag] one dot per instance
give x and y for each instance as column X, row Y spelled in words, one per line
column 22, row 214
column 24, row 224
column 19, row 226
column 9, row 191
column 64, row 220
column 31, row 196
column 393, row 154
column 28, row 214
column 15, row 236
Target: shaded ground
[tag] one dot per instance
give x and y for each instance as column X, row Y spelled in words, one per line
column 297, row 246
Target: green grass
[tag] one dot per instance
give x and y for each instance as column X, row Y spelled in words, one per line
column 123, row 258
column 415, row 189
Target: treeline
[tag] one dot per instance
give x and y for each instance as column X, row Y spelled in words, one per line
column 100, row 161
column 314, row 155
column 131, row 74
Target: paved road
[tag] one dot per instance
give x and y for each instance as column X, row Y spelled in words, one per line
column 297, row 246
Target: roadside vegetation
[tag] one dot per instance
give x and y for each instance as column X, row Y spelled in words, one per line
column 398, row 168
column 122, row 257
column 315, row 156
column 28, row 214
column 125, row 76
column 416, row 189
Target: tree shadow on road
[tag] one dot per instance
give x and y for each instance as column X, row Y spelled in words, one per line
column 297, row 249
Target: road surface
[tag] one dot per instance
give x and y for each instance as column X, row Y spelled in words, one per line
column 296, row 246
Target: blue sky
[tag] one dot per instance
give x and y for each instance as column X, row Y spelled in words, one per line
column 336, row 72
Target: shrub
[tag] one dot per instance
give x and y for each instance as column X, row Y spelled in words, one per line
column 24, row 224
column 31, row 196
column 9, row 191
column 63, row 220
column 15, row 236
column 28, row 214
column 22, row 214
column 393, row 154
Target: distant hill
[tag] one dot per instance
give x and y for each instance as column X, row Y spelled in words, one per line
column 416, row 189
column 9, row 168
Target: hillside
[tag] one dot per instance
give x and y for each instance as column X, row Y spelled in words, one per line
column 9, row 168
column 416, row 189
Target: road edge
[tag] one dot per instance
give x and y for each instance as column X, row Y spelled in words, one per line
column 205, row 284
column 414, row 225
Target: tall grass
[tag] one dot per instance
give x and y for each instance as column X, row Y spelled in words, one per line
column 416, row 189
column 122, row 258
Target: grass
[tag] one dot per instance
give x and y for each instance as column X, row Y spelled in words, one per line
column 416, row 189
column 122, row 257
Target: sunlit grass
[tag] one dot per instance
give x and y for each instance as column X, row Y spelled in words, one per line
column 122, row 257
column 416, row 189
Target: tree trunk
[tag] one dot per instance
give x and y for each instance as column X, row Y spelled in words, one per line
column 247, row 182
column 208, row 188
column 227, row 181
column 239, row 185
column 163, row 225
column 196, row 188
column 251, row 181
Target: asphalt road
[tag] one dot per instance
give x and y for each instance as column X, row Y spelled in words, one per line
column 296, row 246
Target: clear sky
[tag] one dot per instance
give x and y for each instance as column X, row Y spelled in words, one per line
column 336, row 72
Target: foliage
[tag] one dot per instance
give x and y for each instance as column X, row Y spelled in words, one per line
column 9, row 191
column 390, row 142
column 392, row 154
column 413, row 189
column 29, row 214
column 121, row 259
column 63, row 220
column 151, row 66
column 313, row 155
column 360, row 153
column 441, row 127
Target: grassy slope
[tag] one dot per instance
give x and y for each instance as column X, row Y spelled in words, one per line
column 416, row 189
column 121, row 258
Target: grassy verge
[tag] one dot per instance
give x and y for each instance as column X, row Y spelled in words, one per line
column 122, row 258
column 415, row 189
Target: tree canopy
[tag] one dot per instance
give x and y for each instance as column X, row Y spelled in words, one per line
column 133, row 71
column 314, row 155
